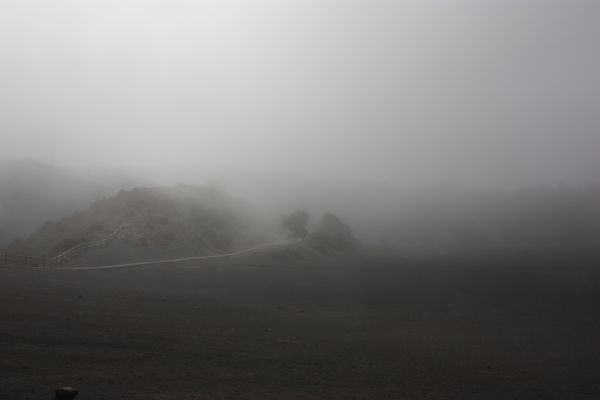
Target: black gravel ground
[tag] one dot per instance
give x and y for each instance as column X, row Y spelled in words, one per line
column 499, row 325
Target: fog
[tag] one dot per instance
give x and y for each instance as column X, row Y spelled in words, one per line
column 362, row 107
column 299, row 199
column 500, row 93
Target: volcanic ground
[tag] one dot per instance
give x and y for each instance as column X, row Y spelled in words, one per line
column 278, row 325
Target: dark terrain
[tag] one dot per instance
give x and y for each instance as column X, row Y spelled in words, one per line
column 493, row 325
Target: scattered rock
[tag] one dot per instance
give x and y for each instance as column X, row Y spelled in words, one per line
column 65, row 393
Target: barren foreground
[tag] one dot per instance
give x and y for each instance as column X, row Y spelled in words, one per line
column 487, row 326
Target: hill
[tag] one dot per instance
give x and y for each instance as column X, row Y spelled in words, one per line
column 161, row 221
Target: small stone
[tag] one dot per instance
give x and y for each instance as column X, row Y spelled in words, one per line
column 65, row 393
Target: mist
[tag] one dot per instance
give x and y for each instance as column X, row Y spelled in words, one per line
column 404, row 93
column 345, row 199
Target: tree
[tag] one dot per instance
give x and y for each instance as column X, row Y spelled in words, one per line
column 295, row 224
column 332, row 234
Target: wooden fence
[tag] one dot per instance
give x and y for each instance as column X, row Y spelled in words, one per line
column 8, row 259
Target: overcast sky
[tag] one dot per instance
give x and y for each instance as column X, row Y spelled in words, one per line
column 407, row 92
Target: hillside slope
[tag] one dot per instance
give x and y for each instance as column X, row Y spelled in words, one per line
column 174, row 220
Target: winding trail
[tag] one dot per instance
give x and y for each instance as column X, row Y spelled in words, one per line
column 177, row 260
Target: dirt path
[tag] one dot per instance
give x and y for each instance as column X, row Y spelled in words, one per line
column 178, row 260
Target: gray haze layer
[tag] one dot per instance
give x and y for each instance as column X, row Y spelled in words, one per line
column 473, row 93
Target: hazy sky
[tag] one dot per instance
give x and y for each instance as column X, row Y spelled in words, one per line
column 408, row 92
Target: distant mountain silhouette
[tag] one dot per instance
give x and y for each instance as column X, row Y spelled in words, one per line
column 560, row 216
column 32, row 193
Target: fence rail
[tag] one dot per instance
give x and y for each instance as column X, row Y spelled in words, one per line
column 8, row 259
column 21, row 259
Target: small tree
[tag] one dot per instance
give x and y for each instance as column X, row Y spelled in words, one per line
column 295, row 224
column 332, row 234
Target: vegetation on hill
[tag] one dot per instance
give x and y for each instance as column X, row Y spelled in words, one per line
column 188, row 218
column 296, row 224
